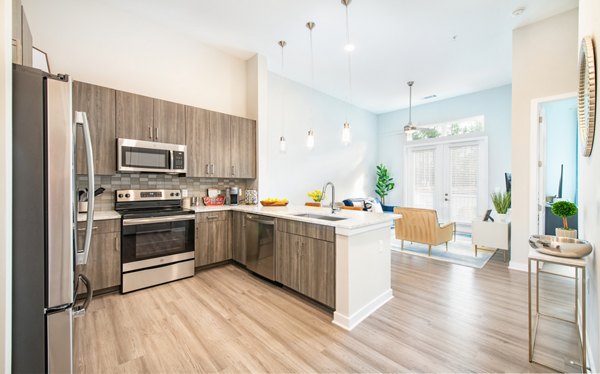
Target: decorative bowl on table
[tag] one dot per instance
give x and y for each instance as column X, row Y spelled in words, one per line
column 274, row 202
column 213, row 201
column 560, row 246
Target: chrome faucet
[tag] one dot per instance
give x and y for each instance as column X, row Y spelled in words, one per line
column 333, row 208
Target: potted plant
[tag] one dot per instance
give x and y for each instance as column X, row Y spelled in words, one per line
column 501, row 203
column 385, row 183
column 565, row 209
column 317, row 196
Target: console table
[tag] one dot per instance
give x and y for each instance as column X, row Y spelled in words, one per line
column 491, row 234
column 577, row 264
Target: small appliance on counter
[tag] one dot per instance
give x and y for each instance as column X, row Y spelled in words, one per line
column 233, row 195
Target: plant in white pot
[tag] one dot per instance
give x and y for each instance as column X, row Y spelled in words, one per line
column 564, row 210
column 501, row 203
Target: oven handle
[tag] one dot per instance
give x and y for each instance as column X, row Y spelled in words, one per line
column 144, row 221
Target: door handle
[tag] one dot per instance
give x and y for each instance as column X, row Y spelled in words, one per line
column 212, row 169
column 156, row 133
column 116, row 244
column 79, row 311
column 207, row 170
column 232, row 170
column 150, row 132
column 81, row 120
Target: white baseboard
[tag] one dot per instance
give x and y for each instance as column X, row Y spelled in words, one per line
column 520, row 266
column 350, row 322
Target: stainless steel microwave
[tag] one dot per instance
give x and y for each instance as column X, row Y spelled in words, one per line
column 134, row 156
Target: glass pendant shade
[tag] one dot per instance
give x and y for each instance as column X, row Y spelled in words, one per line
column 349, row 47
column 346, row 136
column 310, row 140
column 282, row 145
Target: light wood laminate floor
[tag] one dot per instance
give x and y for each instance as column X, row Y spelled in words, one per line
column 443, row 318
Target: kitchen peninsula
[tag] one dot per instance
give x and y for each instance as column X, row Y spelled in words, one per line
column 360, row 258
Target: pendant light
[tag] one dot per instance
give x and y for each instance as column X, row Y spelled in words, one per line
column 410, row 128
column 349, row 47
column 346, row 136
column 282, row 145
column 310, row 139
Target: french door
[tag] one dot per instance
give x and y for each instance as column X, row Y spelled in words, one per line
column 450, row 177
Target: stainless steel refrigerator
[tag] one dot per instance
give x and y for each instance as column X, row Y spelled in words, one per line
column 45, row 255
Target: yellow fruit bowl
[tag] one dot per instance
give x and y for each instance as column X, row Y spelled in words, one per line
column 274, row 202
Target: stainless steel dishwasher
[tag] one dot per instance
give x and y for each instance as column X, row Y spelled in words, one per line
column 260, row 245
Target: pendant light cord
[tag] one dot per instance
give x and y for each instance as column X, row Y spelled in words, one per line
column 282, row 95
column 312, row 73
column 349, row 65
column 410, row 104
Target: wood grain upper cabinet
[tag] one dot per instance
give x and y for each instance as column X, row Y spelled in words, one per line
column 197, row 137
column 212, row 238
column 220, row 146
column 135, row 116
column 99, row 104
column 169, row 122
column 243, row 148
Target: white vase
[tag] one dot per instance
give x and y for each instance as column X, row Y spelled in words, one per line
column 502, row 217
column 566, row 233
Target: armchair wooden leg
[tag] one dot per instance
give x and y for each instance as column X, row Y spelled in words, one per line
column 446, row 246
column 475, row 250
column 401, row 245
column 429, row 249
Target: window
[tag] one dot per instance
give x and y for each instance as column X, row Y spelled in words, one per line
column 452, row 128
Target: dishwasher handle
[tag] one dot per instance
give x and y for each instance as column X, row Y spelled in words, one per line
column 260, row 219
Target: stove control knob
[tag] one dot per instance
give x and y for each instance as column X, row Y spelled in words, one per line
column 127, row 195
column 176, row 193
column 120, row 195
column 172, row 194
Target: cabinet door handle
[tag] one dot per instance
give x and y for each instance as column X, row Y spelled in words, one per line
column 156, row 133
column 116, row 244
column 212, row 169
column 150, row 132
column 232, row 169
column 196, row 232
column 212, row 217
column 207, row 171
column 83, row 228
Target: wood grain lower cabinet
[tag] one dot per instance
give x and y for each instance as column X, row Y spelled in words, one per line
column 99, row 105
column 212, row 238
column 306, row 265
column 238, row 237
column 104, row 261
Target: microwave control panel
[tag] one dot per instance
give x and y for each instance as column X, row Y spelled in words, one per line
column 178, row 160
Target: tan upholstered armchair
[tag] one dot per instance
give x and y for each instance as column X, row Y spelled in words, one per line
column 421, row 226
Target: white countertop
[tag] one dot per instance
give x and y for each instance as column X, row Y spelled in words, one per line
column 99, row 215
column 354, row 219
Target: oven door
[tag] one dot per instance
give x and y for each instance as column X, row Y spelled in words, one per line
column 143, row 156
column 155, row 241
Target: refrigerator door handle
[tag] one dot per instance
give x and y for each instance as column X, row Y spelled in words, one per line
column 79, row 310
column 81, row 120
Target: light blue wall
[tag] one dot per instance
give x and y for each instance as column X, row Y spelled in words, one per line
column 561, row 147
column 494, row 104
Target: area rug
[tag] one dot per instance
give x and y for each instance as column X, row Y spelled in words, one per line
column 460, row 251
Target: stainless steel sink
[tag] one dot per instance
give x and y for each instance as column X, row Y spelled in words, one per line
column 319, row 216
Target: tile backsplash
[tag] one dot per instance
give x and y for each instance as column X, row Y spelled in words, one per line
column 195, row 186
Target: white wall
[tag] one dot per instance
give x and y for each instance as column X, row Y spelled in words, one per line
column 494, row 104
column 293, row 174
column 5, row 183
column 589, row 190
column 102, row 45
column 544, row 64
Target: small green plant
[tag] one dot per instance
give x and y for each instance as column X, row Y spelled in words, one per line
column 316, row 195
column 501, row 201
column 564, row 209
column 385, row 183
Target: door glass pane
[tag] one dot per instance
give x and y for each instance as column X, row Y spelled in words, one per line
column 424, row 178
column 464, row 182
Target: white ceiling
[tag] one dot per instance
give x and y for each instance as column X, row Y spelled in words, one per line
column 396, row 41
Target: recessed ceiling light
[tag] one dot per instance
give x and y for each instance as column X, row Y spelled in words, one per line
column 454, row 37
column 518, row 12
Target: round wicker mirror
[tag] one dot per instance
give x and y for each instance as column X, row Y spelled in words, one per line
column 587, row 95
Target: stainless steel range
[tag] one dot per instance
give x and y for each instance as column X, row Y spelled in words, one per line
column 157, row 238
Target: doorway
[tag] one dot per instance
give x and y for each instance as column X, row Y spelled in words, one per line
column 450, row 177
column 558, row 160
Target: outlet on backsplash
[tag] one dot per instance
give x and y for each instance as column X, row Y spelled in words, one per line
column 194, row 186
